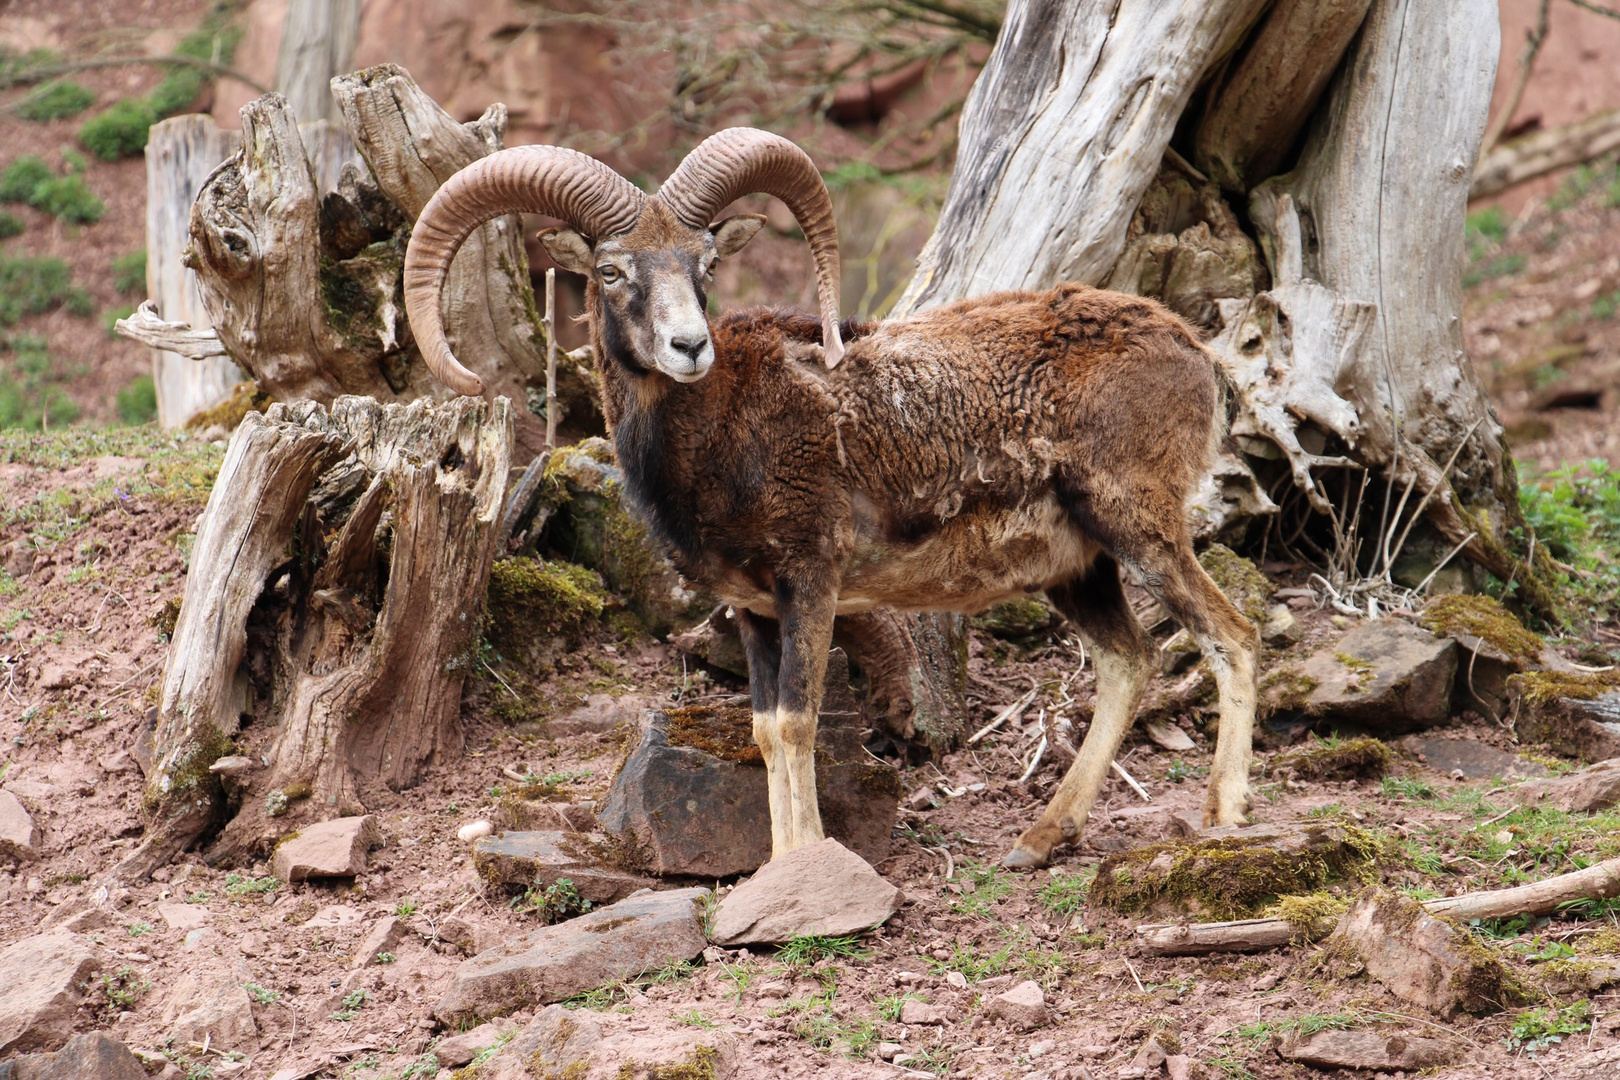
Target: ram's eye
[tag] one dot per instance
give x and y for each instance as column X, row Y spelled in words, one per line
column 609, row 274
column 709, row 270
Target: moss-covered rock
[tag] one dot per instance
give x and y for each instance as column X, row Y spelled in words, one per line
column 1231, row 873
column 534, row 598
column 1021, row 621
column 1248, row 589
column 1482, row 625
column 594, row 526
column 1363, row 757
column 1577, row 713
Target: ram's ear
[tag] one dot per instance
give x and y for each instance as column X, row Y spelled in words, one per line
column 733, row 234
column 570, row 250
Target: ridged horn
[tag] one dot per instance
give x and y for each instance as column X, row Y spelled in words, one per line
column 742, row 161
column 548, row 180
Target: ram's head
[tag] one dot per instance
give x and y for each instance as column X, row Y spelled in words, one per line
column 649, row 261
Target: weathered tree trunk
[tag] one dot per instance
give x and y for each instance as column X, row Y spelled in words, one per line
column 916, row 672
column 317, row 43
column 180, row 153
column 353, row 548
column 1353, row 356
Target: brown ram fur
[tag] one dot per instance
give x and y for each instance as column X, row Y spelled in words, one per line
column 997, row 447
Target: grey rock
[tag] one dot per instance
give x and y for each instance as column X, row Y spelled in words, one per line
column 1367, row 1050
column 691, row 800
column 213, row 1005
column 1281, row 628
column 1473, row 759
column 1421, row 959
column 458, row 1050
column 85, row 1057
column 1387, row 674
column 600, row 713
column 1596, row 787
column 19, row 839
column 639, row 933
column 921, row 1012
column 1583, row 721
column 1023, row 1007
column 1167, row 735
column 544, row 858
column 335, row 848
column 821, row 889
column 44, row 977
column 715, row 642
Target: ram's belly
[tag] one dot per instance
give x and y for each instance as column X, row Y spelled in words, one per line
column 969, row 563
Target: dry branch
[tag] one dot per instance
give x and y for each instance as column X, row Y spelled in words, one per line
column 1545, row 151
column 1598, row 882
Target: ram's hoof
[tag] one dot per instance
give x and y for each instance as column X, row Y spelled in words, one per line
column 1020, row 858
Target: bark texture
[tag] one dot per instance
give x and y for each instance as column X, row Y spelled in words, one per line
column 1060, row 137
column 352, row 548
column 916, row 671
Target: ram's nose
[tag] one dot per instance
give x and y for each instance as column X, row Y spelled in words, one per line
column 690, row 346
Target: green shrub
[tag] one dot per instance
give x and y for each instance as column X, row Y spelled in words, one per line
column 129, row 272
column 137, row 402
column 120, row 131
column 22, row 176
column 56, row 101
column 29, row 395
column 32, row 284
column 68, row 198
column 10, row 225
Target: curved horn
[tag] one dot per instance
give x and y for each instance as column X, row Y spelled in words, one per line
column 546, row 180
column 741, row 161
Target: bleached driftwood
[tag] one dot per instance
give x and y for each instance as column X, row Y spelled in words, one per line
column 1061, row 134
column 147, row 327
column 1598, row 882
column 352, row 548
column 1541, row 152
column 180, row 153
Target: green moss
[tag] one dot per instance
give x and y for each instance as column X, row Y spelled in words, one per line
column 1360, row 757
column 187, row 780
column 1354, row 663
column 1286, row 689
column 726, row 731
column 1541, row 687
column 1017, row 620
column 1309, row 913
column 1234, row 876
column 1579, row 976
column 529, row 598
column 1248, row 589
column 1485, row 618
column 245, row 398
column 698, row 1065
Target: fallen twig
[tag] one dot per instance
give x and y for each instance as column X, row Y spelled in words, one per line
column 1010, row 712
column 1131, row 780
column 1597, row 882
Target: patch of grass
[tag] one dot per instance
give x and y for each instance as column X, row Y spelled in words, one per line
column 129, row 272
column 137, row 402
column 1606, row 306
column 32, row 284
column 29, row 180
column 262, row 994
column 1494, row 267
column 136, row 929
column 351, row 1005
column 1300, row 1026
column 693, row 1018
column 1407, row 787
column 56, row 100
column 809, row 949
column 119, row 131
column 1575, row 512
column 1535, row 1030
column 1017, row 954
column 984, row 887
column 405, row 908
column 1066, row 894
column 10, row 225
column 122, row 989
column 31, row 395
column 237, row 885
column 22, row 176
column 1485, row 230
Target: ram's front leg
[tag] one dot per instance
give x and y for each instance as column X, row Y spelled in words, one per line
column 805, row 607
column 760, row 645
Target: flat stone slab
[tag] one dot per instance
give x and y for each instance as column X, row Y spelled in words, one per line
column 1596, row 787
column 335, row 848
column 823, row 889
column 691, row 799
column 1421, row 959
column 1576, row 714
column 44, row 979
column 213, row 1006
column 1387, row 674
column 1367, row 1050
column 640, row 933
column 546, row 857
column 1474, row 759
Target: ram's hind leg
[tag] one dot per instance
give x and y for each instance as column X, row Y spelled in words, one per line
column 1231, row 647
column 760, row 645
column 1126, row 659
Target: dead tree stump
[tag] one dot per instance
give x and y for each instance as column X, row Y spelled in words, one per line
column 330, row 619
